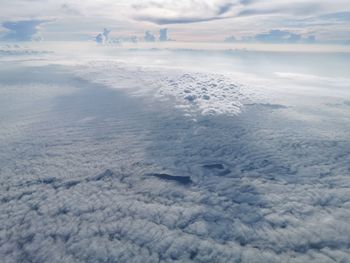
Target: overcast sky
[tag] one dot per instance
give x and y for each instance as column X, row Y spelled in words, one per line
column 187, row 20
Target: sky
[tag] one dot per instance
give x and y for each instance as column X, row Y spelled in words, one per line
column 307, row 21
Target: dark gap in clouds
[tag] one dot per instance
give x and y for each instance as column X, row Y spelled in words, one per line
column 24, row 30
column 184, row 180
column 214, row 166
column 217, row 169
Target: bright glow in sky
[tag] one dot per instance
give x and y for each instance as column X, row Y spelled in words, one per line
column 297, row 21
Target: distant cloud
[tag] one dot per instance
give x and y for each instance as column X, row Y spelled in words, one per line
column 24, row 30
column 103, row 37
column 163, row 34
column 99, row 39
column 275, row 36
column 149, row 37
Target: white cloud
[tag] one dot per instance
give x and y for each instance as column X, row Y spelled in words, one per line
column 222, row 17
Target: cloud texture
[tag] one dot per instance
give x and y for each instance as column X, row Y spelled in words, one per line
column 94, row 174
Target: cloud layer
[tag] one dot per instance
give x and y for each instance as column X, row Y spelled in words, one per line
column 94, row 174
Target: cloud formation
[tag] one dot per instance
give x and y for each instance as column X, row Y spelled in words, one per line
column 149, row 37
column 24, row 30
column 275, row 36
column 103, row 37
